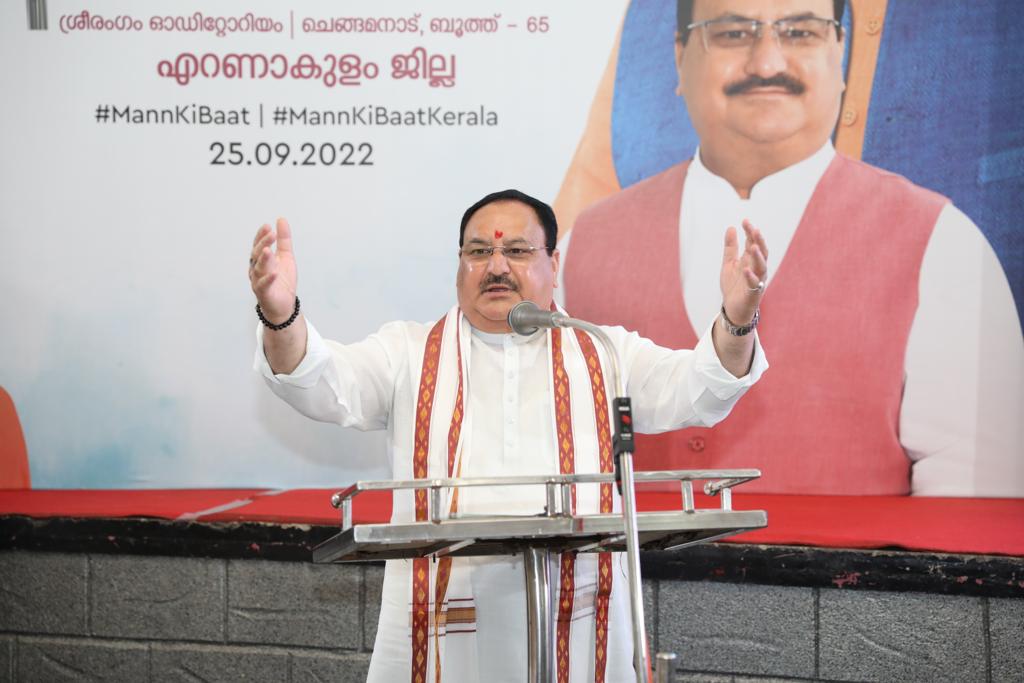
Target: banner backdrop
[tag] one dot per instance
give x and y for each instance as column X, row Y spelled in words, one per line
column 144, row 144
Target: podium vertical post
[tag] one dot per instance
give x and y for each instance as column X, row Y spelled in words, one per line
column 539, row 624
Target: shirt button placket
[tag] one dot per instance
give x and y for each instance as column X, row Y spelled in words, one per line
column 510, row 407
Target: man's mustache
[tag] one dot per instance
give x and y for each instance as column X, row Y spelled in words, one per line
column 791, row 85
column 498, row 281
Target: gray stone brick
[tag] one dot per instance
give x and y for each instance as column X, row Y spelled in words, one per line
column 6, row 659
column 1006, row 628
column 162, row 598
column 717, row 627
column 650, row 587
column 875, row 636
column 43, row 593
column 316, row 668
column 54, row 660
column 689, row 677
column 723, row 678
column 374, row 591
column 193, row 663
column 294, row 603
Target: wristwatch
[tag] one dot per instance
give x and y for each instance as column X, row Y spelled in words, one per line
column 740, row 330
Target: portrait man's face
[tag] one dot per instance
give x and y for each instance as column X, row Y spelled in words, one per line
column 488, row 288
column 766, row 90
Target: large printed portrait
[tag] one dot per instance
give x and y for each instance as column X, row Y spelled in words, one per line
column 892, row 316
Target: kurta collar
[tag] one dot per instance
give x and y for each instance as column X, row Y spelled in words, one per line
column 501, row 338
column 790, row 180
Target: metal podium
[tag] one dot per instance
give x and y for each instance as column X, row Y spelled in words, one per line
column 536, row 537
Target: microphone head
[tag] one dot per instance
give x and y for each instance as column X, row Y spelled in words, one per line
column 523, row 318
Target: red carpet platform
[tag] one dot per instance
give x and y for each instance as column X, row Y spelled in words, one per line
column 946, row 525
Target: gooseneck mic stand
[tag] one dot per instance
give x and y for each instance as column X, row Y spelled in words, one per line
column 526, row 318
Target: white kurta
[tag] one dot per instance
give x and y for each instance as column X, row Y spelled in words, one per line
column 372, row 385
column 964, row 389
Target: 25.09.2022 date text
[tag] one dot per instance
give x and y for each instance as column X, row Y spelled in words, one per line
column 282, row 153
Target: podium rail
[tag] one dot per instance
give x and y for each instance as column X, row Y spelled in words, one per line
column 537, row 537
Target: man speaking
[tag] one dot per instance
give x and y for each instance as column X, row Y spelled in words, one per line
column 463, row 397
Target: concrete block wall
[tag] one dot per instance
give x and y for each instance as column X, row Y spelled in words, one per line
column 76, row 617
column 82, row 617
column 741, row 632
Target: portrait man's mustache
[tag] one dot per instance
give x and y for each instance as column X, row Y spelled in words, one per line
column 791, row 84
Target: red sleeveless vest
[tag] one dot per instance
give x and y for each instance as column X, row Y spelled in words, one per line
column 835, row 320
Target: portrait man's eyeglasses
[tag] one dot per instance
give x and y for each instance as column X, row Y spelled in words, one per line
column 736, row 33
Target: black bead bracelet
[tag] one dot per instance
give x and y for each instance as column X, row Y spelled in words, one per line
column 286, row 323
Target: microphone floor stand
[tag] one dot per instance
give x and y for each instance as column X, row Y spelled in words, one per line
column 625, row 465
column 623, row 446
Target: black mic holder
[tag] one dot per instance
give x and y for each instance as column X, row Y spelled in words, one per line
column 622, row 441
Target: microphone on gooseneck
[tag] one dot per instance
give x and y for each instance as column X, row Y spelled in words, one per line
column 527, row 317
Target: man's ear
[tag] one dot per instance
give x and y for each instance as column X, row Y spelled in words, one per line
column 680, row 51
column 842, row 51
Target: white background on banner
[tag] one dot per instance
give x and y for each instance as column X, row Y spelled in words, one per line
column 128, row 318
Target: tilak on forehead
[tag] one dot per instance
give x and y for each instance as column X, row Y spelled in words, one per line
column 498, row 234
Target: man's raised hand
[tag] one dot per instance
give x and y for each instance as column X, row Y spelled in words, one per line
column 272, row 273
column 743, row 273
